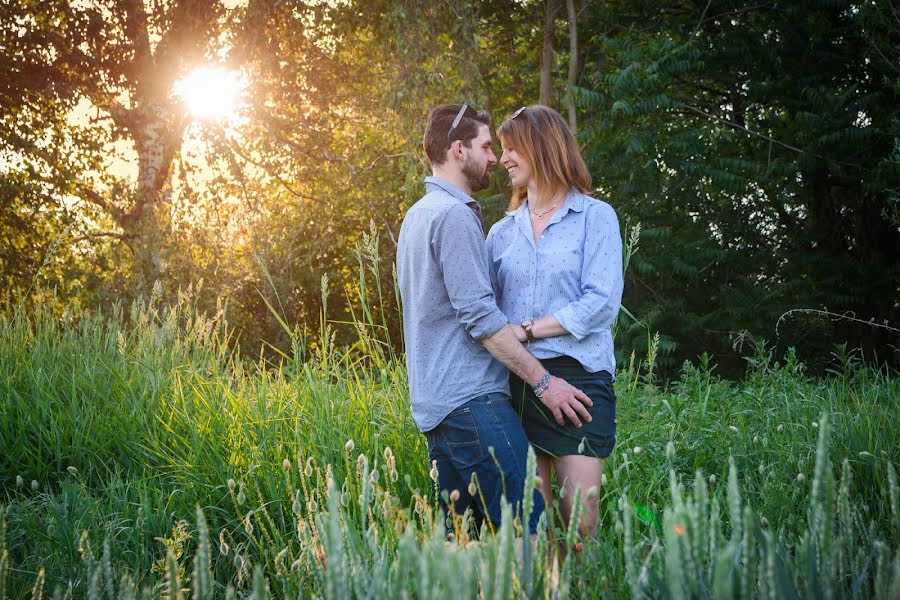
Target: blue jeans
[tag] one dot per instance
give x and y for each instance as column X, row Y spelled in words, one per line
column 460, row 445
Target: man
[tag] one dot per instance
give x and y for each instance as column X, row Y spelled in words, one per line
column 457, row 340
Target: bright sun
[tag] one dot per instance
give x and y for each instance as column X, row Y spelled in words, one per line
column 210, row 92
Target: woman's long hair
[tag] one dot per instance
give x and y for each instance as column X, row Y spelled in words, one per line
column 541, row 136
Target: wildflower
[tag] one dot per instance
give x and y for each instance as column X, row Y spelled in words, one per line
column 34, row 485
column 801, row 478
column 19, row 481
column 454, row 496
column 231, row 484
column 678, row 529
column 733, row 428
column 286, row 465
column 670, row 451
column 349, row 446
column 712, row 479
column 637, row 450
column 72, row 470
column 578, row 547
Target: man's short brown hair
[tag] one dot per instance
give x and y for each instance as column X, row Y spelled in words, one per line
column 438, row 136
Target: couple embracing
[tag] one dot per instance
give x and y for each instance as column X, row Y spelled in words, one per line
column 508, row 340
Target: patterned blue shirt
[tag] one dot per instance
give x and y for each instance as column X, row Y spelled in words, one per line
column 448, row 304
column 573, row 273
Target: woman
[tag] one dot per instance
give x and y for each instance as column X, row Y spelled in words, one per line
column 556, row 264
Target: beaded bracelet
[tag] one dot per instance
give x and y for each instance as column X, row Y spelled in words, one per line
column 542, row 386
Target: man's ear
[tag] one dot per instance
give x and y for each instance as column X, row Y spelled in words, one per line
column 455, row 150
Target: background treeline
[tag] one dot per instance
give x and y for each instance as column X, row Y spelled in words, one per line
column 755, row 142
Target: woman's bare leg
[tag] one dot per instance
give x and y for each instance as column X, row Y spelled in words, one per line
column 583, row 472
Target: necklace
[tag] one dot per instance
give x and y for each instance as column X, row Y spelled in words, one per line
column 540, row 215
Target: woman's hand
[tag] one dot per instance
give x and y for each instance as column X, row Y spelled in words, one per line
column 520, row 333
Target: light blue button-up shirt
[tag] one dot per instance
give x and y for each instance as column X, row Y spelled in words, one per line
column 574, row 273
column 448, row 304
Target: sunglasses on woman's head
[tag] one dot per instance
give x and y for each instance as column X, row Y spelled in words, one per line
column 522, row 111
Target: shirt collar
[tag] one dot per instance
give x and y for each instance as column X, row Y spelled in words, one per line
column 575, row 201
column 433, row 183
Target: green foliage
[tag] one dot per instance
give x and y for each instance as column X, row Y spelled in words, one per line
column 744, row 129
column 194, row 469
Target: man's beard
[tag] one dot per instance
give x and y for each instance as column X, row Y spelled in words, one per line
column 478, row 177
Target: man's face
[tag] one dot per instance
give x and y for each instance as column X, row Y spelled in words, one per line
column 478, row 160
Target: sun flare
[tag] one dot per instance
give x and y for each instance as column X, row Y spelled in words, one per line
column 210, row 93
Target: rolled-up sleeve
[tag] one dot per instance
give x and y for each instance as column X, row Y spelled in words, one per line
column 459, row 247
column 601, row 276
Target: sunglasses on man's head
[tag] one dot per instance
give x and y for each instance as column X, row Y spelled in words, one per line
column 456, row 121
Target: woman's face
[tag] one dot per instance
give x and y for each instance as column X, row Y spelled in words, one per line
column 520, row 172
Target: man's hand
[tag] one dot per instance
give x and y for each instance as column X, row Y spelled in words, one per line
column 562, row 398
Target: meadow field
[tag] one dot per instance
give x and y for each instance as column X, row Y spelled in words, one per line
column 142, row 457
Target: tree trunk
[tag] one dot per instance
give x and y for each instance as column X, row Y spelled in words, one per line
column 552, row 8
column 573, row 64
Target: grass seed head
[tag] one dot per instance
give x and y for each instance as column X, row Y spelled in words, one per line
column 670, row 451
column 72, row 470
column 472, row 489
column 454, row 496
column 19, row 481
column 712, row 479
column 286, row 465
column 733, row 428
column 231, row 484
column 637, row 450
column 34, row 485
column 241, row 498
column 801, row 478
column 780, row 428
column 603, row 479
column 349, row 446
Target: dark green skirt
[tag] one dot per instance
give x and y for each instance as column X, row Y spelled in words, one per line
column 596, row 438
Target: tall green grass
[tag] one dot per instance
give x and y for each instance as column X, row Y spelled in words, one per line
column 140, row 456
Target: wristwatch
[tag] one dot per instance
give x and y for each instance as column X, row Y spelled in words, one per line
column 527, row 325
